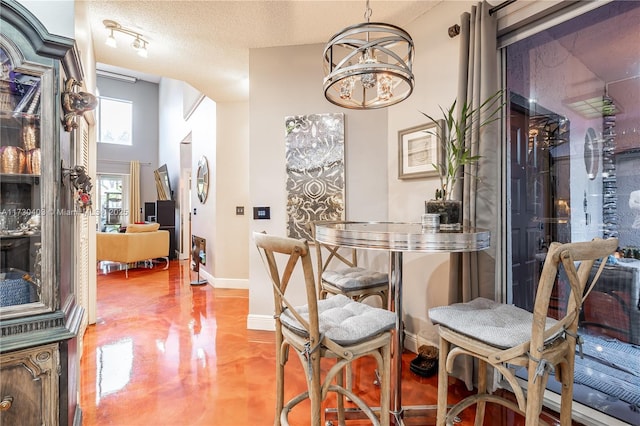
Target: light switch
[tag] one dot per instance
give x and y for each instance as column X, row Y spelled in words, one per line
column 239, row 210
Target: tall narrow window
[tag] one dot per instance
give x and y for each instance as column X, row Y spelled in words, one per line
column 573, row 175
column 115, row 121
column 113, row 196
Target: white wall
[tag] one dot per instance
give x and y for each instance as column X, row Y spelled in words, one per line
column 372, row 136
column 220, row 133
column 56, row 15
column 426, row 276
column 232, row 175
column 288, row 81
column 202, row 125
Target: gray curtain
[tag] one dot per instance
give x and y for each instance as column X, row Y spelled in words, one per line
column 473, row 274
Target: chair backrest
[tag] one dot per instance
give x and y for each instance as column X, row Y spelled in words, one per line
column 291, row 251
column 584, row 254
column 330, row 255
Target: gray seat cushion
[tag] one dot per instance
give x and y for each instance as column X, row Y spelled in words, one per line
column 355, row 278
column 494, row 323
column 343, row 320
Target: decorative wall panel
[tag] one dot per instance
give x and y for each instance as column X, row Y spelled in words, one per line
column 315, row 170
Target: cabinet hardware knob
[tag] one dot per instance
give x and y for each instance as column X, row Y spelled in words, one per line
column 6, row 402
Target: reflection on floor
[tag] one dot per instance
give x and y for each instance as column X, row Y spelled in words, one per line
column 164, row 352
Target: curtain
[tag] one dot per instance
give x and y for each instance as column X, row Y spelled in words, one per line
column 134, row 192
column 473, row 274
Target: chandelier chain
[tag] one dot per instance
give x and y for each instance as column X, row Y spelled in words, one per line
column 368, row 12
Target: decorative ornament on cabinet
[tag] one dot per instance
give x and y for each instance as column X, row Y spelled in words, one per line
column 75, row 104
column 82, row 183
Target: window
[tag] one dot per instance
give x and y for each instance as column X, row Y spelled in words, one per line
column 574, row 152
column 115, row 121
column 113, row 196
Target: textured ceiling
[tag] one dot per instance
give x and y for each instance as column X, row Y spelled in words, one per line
column 206, row 43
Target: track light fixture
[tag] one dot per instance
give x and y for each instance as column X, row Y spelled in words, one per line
column 139, row 43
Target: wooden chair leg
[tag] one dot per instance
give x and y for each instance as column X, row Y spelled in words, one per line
column 340, row 397
column 566, row 399
column 443, row 382
column 482, row 390
column 535, row 392
column 279, row 382
column 315, row 391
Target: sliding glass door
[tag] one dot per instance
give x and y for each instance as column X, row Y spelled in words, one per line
column 574, row 174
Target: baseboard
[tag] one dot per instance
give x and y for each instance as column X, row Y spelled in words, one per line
column 261, row 322
column 230, row 283
column 411, row 342
column 224, row 282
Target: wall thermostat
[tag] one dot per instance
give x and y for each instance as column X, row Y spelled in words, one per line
column 262, row 213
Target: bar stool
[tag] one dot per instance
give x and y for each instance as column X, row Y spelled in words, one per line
column 504, row 336
column 337, row 327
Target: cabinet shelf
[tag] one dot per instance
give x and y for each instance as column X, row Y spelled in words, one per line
column 10, row 236
column 9, row 116
column 19, row 178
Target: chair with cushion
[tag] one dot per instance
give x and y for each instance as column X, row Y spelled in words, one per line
column 339, row 273
column 506, row 337
column 338, row 328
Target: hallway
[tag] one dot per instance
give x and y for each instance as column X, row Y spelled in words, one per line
column 164, row 352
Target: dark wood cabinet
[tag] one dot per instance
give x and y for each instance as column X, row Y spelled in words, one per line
column 166, row 217
column 164, row 213
column 39, row 315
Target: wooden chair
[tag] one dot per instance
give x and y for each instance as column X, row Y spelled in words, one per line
column 505, row 336
column 337, row 327
column 339, row 273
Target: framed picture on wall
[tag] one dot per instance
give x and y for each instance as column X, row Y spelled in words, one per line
column 418, row 150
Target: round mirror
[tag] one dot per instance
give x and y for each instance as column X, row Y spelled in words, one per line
column 202, row 179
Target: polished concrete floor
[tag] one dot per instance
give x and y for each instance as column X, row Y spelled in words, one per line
column 164, row 352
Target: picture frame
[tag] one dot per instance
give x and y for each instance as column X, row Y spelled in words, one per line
column 419, row 148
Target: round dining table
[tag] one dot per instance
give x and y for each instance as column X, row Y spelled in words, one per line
column 398, row 238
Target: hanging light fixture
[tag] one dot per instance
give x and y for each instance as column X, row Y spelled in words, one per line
column 368, row 65
column 111, row 40
column 139, row 43
column 141, row 46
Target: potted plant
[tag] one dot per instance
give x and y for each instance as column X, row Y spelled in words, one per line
column 456, row 154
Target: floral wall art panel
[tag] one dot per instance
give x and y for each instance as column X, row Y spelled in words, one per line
column 315, row 170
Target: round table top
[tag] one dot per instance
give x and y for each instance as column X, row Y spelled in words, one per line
column 396, row 236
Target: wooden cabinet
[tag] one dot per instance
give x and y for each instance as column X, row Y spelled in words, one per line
column 29, row 386
column 39, row 316
column 166, row 217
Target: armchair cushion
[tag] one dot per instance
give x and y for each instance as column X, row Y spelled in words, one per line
column 146, row 227
column 343, row 320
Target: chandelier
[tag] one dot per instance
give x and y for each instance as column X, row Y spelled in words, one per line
column 139, row 43
column 368, row 65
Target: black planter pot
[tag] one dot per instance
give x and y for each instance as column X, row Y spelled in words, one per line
column 450, row 212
